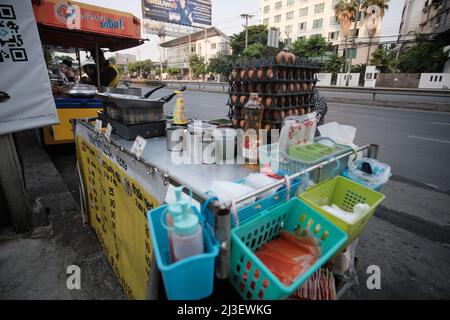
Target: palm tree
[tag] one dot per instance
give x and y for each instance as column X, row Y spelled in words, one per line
column 382, row 4
column 345, row 12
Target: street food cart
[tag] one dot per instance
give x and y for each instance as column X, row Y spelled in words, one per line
column 68, row 26
column 127, row 182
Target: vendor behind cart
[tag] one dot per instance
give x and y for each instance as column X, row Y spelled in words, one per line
column 109, row 75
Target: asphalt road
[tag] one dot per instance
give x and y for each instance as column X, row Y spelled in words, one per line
column 415, row 143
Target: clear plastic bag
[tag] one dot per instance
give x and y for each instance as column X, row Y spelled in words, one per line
column 378, row 173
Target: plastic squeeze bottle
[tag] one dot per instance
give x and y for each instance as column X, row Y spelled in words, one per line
column 187, row 235
column 174, row 211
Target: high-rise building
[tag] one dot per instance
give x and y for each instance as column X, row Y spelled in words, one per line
column 297, row 19
column 424, row 17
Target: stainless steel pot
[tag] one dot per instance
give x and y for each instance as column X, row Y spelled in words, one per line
column 80, row 90
column 175, row 138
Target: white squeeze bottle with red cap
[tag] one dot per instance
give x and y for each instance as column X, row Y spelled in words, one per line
column 187, row 234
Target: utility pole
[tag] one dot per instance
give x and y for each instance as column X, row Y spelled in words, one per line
column 349, row 69
column 246, row 16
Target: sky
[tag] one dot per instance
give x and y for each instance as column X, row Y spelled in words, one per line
column 226, row 17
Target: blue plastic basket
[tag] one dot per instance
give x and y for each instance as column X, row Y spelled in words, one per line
column 248, row 212
column 250, row 277
column 188, row 279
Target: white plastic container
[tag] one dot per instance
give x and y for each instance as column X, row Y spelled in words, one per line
column 187, row 235
column 225, row 144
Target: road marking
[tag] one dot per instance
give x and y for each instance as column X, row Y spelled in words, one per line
column 386, row 108
column 443, row 123
column 429, row 139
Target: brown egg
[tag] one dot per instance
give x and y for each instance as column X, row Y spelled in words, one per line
column 259, row 73
column 244, row 87
column 269, row 88
column 233, row 74
column 291, row 87
column 268, row 102
column 310, row 86
column 235, row 122
column 269, row 73
column 267, row 127
column 260, row 100
column 302, row 111
column 243, row 100
column 250, row 73
column 289, row 113
column 280, row 58
column 308, row 110
column 242, row 123
column 295, row 112
column 281, row 88
column 298, row 87
column 234, row 99
column 260, row 88
column 282, row 115
column 277, row 115
column 243, row 74
column 305, row 86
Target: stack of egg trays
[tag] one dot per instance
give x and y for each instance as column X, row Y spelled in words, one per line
column 301, row 71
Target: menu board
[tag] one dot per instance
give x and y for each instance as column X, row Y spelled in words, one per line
column 119, row 191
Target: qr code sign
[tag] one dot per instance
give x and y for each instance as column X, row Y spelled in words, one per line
column 11, row 42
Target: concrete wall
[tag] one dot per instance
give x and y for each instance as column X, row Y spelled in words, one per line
column 342, row 79
column 434, row 81
column 324, row 79
column 398, row 80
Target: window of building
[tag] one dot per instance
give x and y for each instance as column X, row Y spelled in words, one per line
column 351, row 33
column 318, row 23
column 333, row 35
column 277, row 18
column 303, row 12
column 301, row 37
column 288, row 29
column 318, row 8
column 290, row 2
column 266, row 9
column 278, row 5
column 213, row 46
column 266, row 21
column 334, row 21
column 290, row 15
column 302, row 26
column 350, row 52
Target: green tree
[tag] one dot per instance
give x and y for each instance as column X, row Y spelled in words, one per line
column 314, row 46
column 197, row 65
column 256, row 34
column 254, row 51
column 173, row 71
column 220, row 65
column 424, row 56
column 333, row 64
column 384, row 58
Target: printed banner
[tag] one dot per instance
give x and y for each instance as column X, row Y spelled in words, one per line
column 119, row 191
column 197, row 13
column 75, row 15
column 26, row 99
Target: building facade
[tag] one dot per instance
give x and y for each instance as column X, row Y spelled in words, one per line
column 298, row 19
column 207, row 44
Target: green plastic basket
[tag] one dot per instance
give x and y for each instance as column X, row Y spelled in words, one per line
column 344, row 193
column 250, row 277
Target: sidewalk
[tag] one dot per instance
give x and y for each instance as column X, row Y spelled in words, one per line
column 409, row 239
column 33, row 266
